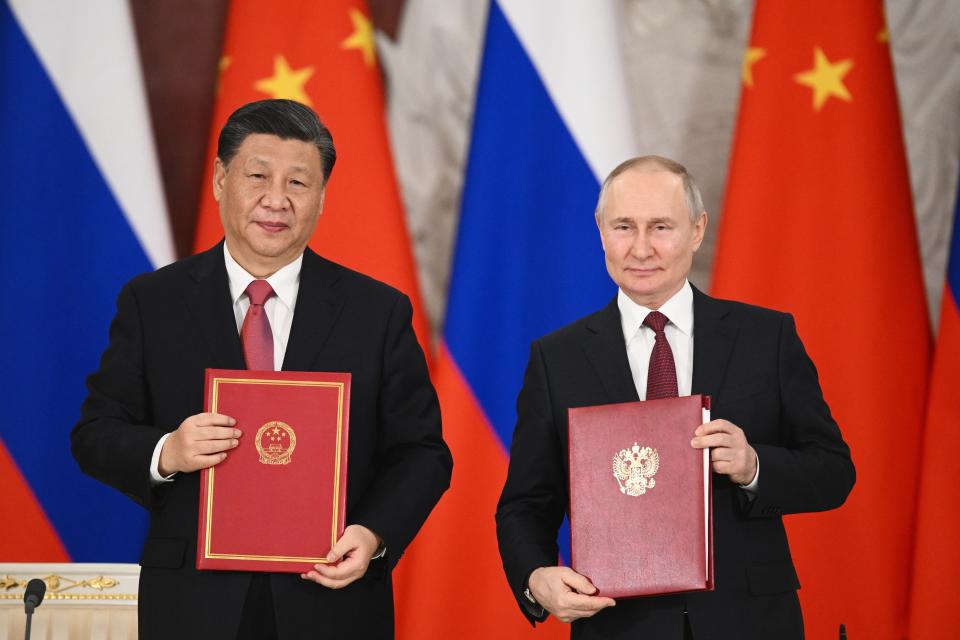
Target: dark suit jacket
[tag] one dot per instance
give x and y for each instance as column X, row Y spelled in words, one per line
column 753, row 365
column 174, row 323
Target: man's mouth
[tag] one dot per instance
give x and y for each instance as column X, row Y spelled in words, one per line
column 271, row 226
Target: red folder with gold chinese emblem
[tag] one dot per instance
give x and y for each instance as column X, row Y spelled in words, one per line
column 277, row 502
column 640, row 509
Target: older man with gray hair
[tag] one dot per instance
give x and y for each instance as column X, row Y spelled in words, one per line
column 774, row 446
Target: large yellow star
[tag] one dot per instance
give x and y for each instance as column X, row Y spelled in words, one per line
column 826, row 79
column 285, row 82
column 362, row 37
column 752, row 55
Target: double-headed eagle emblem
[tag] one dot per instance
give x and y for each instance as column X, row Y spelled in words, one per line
column 634, row 469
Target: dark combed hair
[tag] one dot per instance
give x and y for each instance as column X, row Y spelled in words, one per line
column 286, row 119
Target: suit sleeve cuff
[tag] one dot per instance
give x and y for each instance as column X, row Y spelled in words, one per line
column 751, row 487
column 528, row 602
column 155, row 477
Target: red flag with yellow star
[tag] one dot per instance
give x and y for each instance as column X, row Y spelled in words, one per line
column 818, row 221
column 323, row 55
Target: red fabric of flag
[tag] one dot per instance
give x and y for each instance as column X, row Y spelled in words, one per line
column 28, row 535
column 933, row 605
column 818, row 222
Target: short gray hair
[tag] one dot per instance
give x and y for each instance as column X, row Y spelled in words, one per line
column 690, row 189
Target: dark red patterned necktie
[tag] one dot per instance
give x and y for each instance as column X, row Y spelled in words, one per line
column 662, row 373
column 256, row 335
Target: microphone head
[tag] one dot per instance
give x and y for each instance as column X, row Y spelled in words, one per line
column 34, row 593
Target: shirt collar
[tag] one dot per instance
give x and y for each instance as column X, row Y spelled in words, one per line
column 285, row 282
column 679, row 309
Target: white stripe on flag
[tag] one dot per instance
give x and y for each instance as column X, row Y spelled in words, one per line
column 575, row 47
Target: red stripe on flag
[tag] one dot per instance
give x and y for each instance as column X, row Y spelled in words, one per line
column 26, row 535
column 933, row 606
column 452, row 572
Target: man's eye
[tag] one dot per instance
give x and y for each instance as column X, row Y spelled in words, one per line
column 297, row 183
column 257, row 176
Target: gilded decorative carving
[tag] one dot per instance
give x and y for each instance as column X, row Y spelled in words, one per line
column 58, row 585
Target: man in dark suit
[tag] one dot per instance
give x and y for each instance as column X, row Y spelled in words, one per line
column 262, row 300
column 774, row 447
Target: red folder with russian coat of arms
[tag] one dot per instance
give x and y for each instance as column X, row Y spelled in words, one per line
column 640, row 497
column 277, row 502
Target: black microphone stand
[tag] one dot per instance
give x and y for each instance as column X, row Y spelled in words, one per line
column 32, row 597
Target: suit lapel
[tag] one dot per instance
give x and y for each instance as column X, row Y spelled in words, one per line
column 318, row 307
column 607, row 353
column 210, row 304
column 713, row 339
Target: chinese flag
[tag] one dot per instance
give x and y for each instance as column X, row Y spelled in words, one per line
column 818, row 222
column 323, row 55
column 933, row 606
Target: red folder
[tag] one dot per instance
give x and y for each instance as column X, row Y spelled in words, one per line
column 277, row 502
column 640, row 509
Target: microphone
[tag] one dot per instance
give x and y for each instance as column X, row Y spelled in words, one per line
column 843, row 632
column 32, row 598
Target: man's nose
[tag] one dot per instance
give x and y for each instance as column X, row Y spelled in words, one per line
column 641, row 247
column 275, row 197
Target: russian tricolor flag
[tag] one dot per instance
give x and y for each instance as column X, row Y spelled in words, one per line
column 552, row 119
column 82, row 212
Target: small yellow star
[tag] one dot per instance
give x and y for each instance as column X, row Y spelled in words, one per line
column 826, row 79
column 883, row 35
column 362, row 37
column 285, row 82
column 752, row 55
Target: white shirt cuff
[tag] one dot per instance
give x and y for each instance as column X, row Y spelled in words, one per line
column 155, row 477
column 751, row 488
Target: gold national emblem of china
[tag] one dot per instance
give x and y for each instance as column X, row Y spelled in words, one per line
column 275, row 442
column 634, row 469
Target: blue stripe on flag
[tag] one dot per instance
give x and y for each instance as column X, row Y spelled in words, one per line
column 65, row 250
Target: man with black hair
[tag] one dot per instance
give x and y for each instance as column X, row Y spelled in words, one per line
column 142, row 429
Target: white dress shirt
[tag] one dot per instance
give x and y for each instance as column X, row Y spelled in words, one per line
column 279, row 309
column 640, row 338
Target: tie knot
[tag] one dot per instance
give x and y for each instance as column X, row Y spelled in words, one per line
column 259, row 291
column 656, row 321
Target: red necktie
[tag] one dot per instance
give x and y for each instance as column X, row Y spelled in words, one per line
column 662, row 373
column 256, row 335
